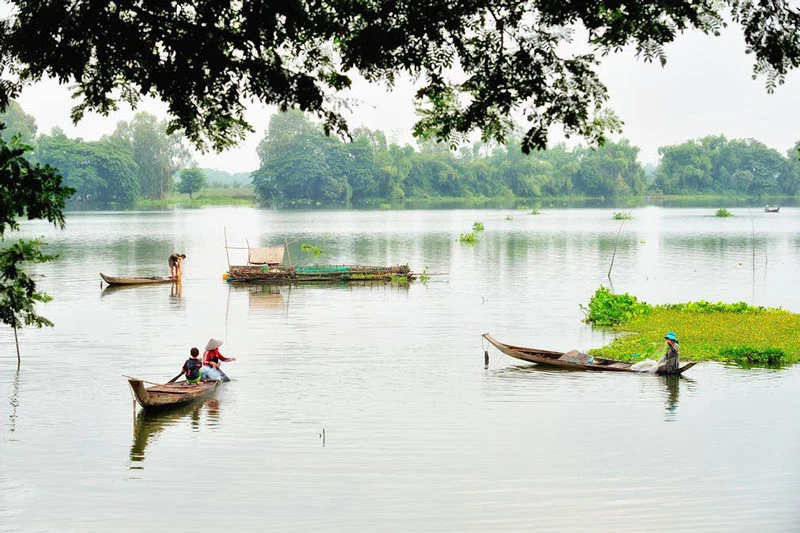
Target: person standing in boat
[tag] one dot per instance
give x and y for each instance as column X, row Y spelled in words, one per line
column 174, row 263
column 212, row 359
column 191, row 368
column 669, row 364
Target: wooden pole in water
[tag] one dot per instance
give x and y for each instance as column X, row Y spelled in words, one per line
column 288, row 255
column 227, row 256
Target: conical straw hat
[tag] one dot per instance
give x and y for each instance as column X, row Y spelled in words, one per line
column 213, row 344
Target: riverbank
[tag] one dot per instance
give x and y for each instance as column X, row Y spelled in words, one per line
column 245, row 196
column 739, row 333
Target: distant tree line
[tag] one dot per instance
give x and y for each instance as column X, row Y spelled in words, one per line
column 138, row 160
column 299, row 162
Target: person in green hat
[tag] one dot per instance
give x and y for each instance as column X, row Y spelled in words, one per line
column 669, row 363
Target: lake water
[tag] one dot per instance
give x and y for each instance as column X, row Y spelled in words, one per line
column 368, row 408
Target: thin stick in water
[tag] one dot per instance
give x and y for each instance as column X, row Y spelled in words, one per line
column 615, row 250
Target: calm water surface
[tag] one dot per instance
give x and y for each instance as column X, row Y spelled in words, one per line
column 368, row 408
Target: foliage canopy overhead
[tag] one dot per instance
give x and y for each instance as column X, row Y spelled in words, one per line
column 478, row 60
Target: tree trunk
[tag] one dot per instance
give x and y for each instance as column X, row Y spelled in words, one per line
column 16, row 340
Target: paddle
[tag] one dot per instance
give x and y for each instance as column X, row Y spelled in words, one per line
column 176, row 377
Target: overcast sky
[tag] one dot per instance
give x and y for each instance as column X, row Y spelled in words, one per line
column 705, row 88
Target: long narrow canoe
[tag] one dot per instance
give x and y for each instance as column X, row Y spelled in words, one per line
column 171, row 394
column 573, row 360
column 136, row 280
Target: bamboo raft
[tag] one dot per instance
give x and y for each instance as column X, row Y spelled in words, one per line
column 318, row 273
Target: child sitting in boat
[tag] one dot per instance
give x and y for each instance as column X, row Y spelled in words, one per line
column 191, row 368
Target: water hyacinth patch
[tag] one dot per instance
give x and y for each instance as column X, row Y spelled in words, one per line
column 748, row 335
column 468, row 238
column 749, row 356
column 723, row 213
column 608, row 309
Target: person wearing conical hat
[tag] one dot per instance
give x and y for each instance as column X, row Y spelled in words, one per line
column 669, row 364
column 212, row 358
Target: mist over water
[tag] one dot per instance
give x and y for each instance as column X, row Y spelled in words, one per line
column 418, row 435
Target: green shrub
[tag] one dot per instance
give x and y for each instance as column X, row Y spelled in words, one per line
column 608, row 309
column 748, row 356
column 722, row 212
column 477, row 226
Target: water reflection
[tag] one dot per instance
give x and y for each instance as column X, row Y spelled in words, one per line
column 265, row 297
column 175, row 291
column 14, row 403
column 672, row 386
column 147, row 426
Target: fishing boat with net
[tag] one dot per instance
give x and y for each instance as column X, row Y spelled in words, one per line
column 573, row 360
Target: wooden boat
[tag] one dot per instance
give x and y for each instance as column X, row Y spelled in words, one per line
column 769, row 209
column 572, row 360
column 136, row 280
column 170, row 394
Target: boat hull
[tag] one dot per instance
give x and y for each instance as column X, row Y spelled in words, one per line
column 171, row 394
column 136, row 280
column 564, row 360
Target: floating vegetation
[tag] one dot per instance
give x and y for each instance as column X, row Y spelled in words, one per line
column 749, row 356
column 608, row 309
column 722, row 213
column 535, row 211
column 424, row 277
column 509, row 217
column 477, row 226
column 737, row 332
column 310, row 249
column 468, row 238
column 399, row 280
column 622, row 215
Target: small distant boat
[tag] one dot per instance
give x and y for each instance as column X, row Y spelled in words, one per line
column 136, row 280
column 170, row 394
column 573, row 360
column 768, row 209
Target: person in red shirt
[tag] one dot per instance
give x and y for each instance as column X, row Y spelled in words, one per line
column 212, row 359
